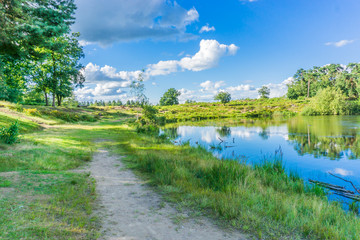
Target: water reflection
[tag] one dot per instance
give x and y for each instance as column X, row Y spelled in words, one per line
column 312, row 146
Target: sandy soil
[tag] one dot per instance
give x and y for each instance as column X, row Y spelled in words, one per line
column 130, row 210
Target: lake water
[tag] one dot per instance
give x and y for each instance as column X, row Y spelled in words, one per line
column 312, row 146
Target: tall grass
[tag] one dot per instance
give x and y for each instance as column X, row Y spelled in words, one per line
column 263, row 200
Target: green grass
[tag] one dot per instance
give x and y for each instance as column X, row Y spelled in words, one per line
column 45, row 205
column 43, row 201
column 25, row 126
column 248, row 108
column 262, row 200
column 38, row 199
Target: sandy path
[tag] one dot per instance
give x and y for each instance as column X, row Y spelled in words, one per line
column 131, row 210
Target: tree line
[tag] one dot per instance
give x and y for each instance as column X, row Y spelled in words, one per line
column 307, row 83
column 39, row 56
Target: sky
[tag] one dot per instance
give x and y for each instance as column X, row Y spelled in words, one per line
column 201, row 47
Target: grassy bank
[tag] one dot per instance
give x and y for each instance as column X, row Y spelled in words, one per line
column 248, row 108
column 39, row 198
column 263, row 200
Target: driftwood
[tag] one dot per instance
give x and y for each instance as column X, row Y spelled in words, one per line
column 339, row 190
column 357, row 190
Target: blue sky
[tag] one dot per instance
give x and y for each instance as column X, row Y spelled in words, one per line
column 205, row 46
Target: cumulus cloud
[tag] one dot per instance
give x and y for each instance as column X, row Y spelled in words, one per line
column 103, row 79
column 209, row 89
column 207, row 57
column 206, row 28
column 211, row 86
column 119, row 20
column 280, row 89
column 340, row 43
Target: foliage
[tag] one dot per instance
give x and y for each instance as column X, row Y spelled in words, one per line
column 246, row 108
column 223, row 97
column 10, row 135
column 328, row 101
column 264, row 92
column 307, row 83
column 170, row 97
column 263, row 199
column 138, row 90
column 30, row 23
column 149, row 121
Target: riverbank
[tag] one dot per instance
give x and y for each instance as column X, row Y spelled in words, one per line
column 263, row 201
column 247, row 108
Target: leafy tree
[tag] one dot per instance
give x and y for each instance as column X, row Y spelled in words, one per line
column 224, row 97
column 59, row 72
column 170, row 97
column 137, row 88
column 25, row 24
column 264, row 92
column 328, row 101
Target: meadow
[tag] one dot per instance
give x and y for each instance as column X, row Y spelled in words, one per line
column 42, row 198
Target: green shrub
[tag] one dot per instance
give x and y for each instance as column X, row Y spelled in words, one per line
column 10, row 135
column 329, row 101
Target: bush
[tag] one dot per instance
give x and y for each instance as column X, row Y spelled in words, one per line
column 10, row 135
column 329, row 101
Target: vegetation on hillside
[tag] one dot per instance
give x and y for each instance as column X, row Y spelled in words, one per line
column 247, row 108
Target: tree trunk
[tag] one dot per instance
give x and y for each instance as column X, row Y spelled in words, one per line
column 59, row 100
column 53, row 102
column 308, row 93
column 46, row 99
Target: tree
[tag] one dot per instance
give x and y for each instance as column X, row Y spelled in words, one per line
column 170, row 97
column 26, row 24
column 59, row 73
column 224, row 97
column 264, row 92
column 137, row 88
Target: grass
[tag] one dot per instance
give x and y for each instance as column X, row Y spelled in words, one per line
column 262, row 200
column 42, row 200
column 247, row 108
column 46, row 205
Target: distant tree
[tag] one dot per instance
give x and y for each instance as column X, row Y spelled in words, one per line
column 137, row 89
column 170, row 97
column 264, row 92
column 224, row 97
column 190, row 101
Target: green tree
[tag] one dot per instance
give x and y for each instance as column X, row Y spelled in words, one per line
column 264, row 92
column 223, row 97
column 59, row 73
column 170, row 97
column 26, row 24
column 137, row 88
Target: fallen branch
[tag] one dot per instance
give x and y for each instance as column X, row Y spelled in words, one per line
column 357, row 190
column 332, row 187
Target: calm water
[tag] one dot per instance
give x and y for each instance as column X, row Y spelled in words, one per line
column 313, row 146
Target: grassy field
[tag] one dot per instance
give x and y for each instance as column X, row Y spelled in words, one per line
column 248, row 108
column 41, row 199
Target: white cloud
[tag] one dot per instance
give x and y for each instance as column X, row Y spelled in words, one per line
column 207, row 57
column 280, row 89
column 105, row 77
column 211, row 86
column 340, row 43
column 241, row 87
column 206, row 28
column 118, row 20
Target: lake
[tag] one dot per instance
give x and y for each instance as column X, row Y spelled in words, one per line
column 311, row 146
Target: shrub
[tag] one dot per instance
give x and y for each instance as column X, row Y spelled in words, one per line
column 32, row 112
column 328, row 101
column 10, row 135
